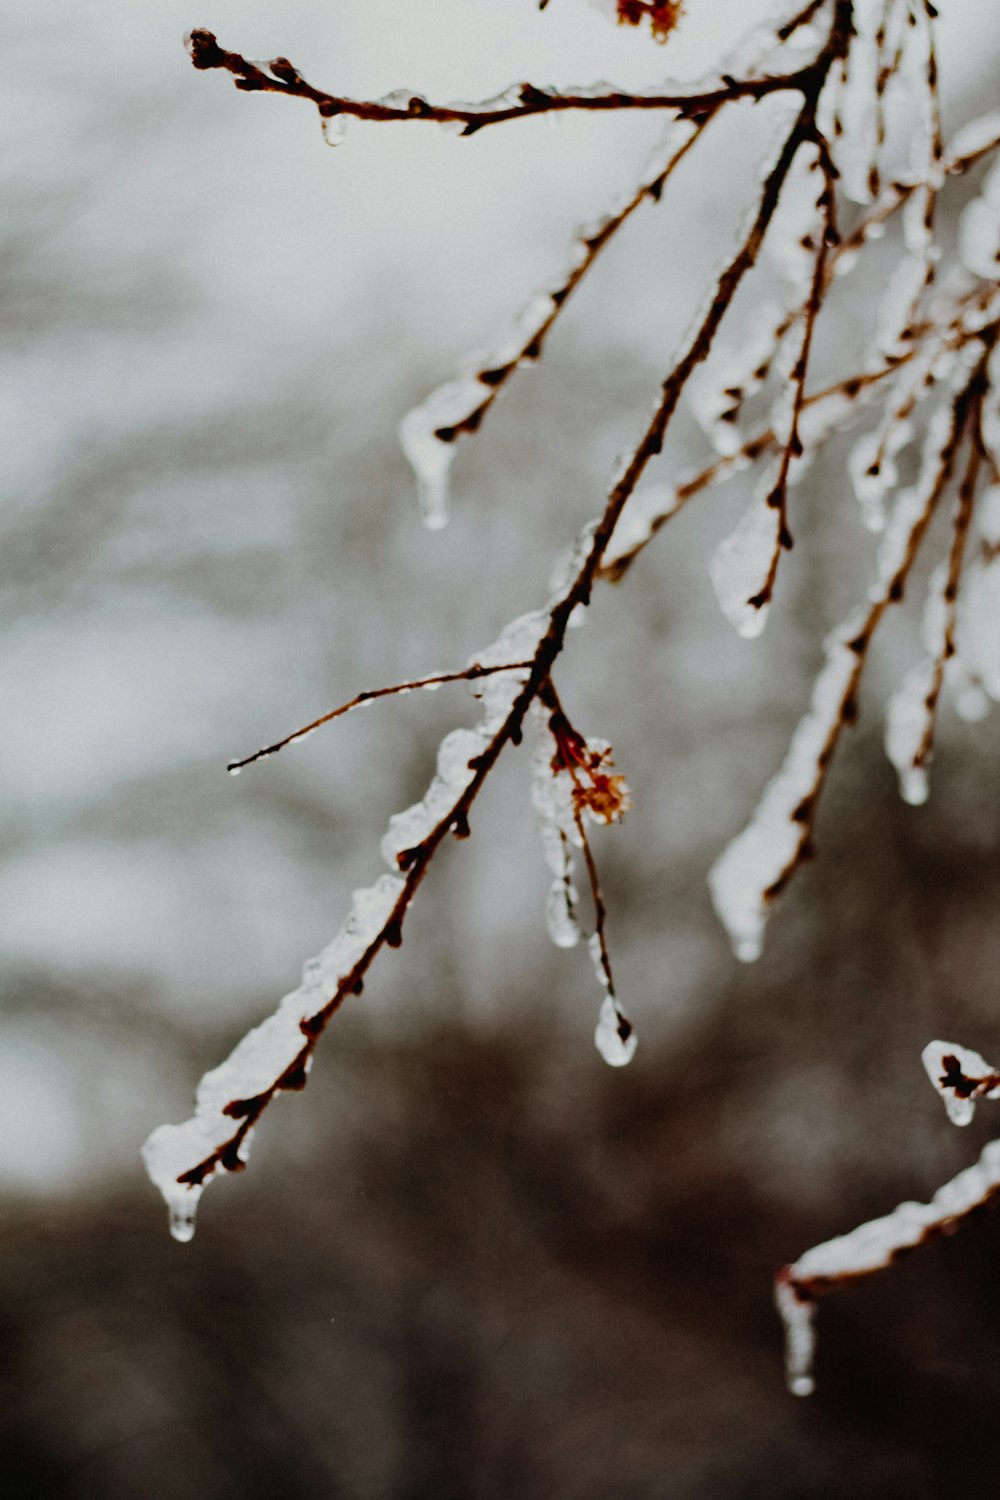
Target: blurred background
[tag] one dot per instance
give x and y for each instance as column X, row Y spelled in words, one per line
column 471, row 1261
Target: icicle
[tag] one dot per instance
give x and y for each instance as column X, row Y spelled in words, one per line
column 906, row 727
column 911, row 708
column 798, row 1314
column 978, row 135
column 335, row 129
column 560, row 913
column 430, row 456
column 615, row 1037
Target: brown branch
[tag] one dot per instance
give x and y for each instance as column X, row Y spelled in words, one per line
column 415, row 862
column 778, row 497
column 956, row 335
column 802, row 18
column 467, row 674
column 494, row 378
column 890, row 593
column 279, row 76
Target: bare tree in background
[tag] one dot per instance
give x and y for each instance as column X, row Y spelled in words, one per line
column 852, row 80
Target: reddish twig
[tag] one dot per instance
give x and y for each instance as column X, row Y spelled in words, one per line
column 467, row 674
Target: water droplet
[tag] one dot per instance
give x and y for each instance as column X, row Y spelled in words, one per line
column 182, row 1219
column 615, row 1037
column 334, row 129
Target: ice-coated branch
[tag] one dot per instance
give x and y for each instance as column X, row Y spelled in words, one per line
column 276, row 1056
column 962, row 1078
column 362, row 700
column 575, row 784
column 912, row 712
column 521, row 101
column 758, row 865
column 652, row 507
column 430, row 432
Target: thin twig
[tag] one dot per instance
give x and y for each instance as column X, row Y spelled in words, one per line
column 279, row 76
column 467, row 674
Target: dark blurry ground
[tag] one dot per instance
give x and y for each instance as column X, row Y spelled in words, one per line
column 471, row 1261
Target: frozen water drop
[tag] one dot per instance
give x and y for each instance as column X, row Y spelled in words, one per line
column 334, row 129
column 234, row 770
column 562, row 925
column 798, row 1314
column 182, row 1219
column 615, row 1037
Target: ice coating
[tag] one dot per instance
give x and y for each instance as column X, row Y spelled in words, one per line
column 873, row 1246
column 280, row 1047
column 873, row 461
column 645, row 513
column 430, row 432
column 911, row 709
column 560, row 912
column 989, row 417
column 798, row 1314
column 754, row 868
column 430, row 455
column 334, row 129
column 732, row 375
column 264, row 1055
column 975, row 137
column 906, row 726
column 743, row 879
column 979, row 229
column 793, row 237
column 850, row 95
column 615, row 1037
column 962, row 1077
column 518, row 641
column 742, row 563
column 900, row 304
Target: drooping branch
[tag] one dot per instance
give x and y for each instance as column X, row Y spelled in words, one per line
column 430, row 432
column 758, row 865
column 277, row 1056
column 362, row 700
